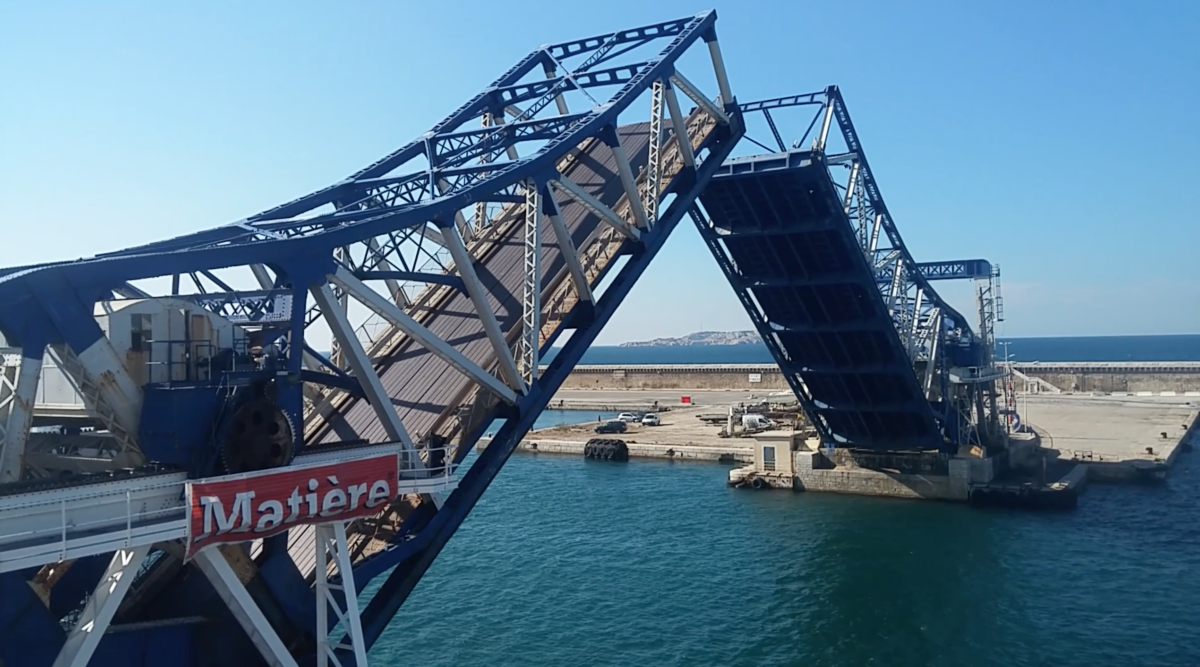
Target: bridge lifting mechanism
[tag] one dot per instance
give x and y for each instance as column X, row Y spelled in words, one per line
column 181, row 463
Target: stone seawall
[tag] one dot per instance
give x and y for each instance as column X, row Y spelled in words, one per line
column 1114, row 377
column 1117, row 377
column 752, row 377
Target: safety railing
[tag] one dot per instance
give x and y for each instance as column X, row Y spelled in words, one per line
column 185, row 355
column 59, row 524
column 186, row 360
column 63, row 523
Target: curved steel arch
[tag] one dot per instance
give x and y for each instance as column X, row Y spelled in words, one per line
column 274, row 234
column 415, row 195
column 430, row 181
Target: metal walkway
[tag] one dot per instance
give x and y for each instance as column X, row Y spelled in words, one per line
column 441, row 273
column 126, row 509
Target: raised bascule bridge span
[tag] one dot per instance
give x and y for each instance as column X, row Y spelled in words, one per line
column 180, row 465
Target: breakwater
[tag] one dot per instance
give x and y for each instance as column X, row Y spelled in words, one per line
column 1122, row 377
column 1183, row 377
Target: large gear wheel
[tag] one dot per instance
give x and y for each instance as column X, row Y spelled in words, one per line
column 260, row 436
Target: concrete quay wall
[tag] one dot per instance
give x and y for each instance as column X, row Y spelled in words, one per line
column 751, row 377
column 534, row 444
column 1082, row 377
column 812, row 471
column 1118, row 378
column 860, row 482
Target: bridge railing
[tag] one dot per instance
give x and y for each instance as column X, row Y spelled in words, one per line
column 61, row 520
column 59, row 524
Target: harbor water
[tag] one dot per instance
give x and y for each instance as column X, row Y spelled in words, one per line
column 566, row 562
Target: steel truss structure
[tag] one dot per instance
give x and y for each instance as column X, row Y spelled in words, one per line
column 785, row 228
column 455, row 261
column 441, row 273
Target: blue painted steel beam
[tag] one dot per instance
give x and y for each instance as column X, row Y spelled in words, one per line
column 345, row 383
column 646, row 33
column 969, row 269
column 500, row 137
column 956, row 270
column 395, row 590
column 300, row 250
column 245, row 307
column 842, row 115
column 524, row 92
column 806, row 99
column 244, row 243
column 326, row 362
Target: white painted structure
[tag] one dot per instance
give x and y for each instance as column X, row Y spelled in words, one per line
column 156, row 337
column 144, row 341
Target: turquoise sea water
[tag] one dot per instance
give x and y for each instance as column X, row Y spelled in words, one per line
column 571, row 562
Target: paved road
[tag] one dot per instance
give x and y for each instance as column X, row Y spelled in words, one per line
column 1113, row 426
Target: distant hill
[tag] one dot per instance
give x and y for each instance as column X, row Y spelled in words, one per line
column 701, row 338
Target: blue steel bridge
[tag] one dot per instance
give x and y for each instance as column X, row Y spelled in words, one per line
column 441, row 272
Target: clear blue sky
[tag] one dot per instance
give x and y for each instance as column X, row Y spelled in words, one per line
column 1058, row 139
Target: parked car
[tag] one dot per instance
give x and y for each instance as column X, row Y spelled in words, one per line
column 650, row 419
column 628, row 417
column 615, row 426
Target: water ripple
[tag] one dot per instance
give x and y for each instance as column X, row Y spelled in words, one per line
column 570, row 562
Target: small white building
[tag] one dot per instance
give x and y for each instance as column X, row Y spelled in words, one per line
column 166, row 339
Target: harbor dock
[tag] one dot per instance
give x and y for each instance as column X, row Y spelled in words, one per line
column 680, row 435
column 1069, row 440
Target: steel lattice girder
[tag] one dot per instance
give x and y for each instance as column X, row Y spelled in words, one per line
column 305, row 241
column 831, row 109
column 415, row 556
column 916, row 308
column 276, row 235
column 962, row 269
column 875, row 200
column 432, row 180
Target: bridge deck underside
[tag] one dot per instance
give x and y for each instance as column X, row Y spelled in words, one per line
column 422, row 385
column 794, row 250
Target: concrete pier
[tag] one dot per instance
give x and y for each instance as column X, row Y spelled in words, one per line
column 1074, row 440
column 1083, row 438
column 681, row 435
column 1119, row 438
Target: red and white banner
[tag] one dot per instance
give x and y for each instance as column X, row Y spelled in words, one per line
column 238, row 508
